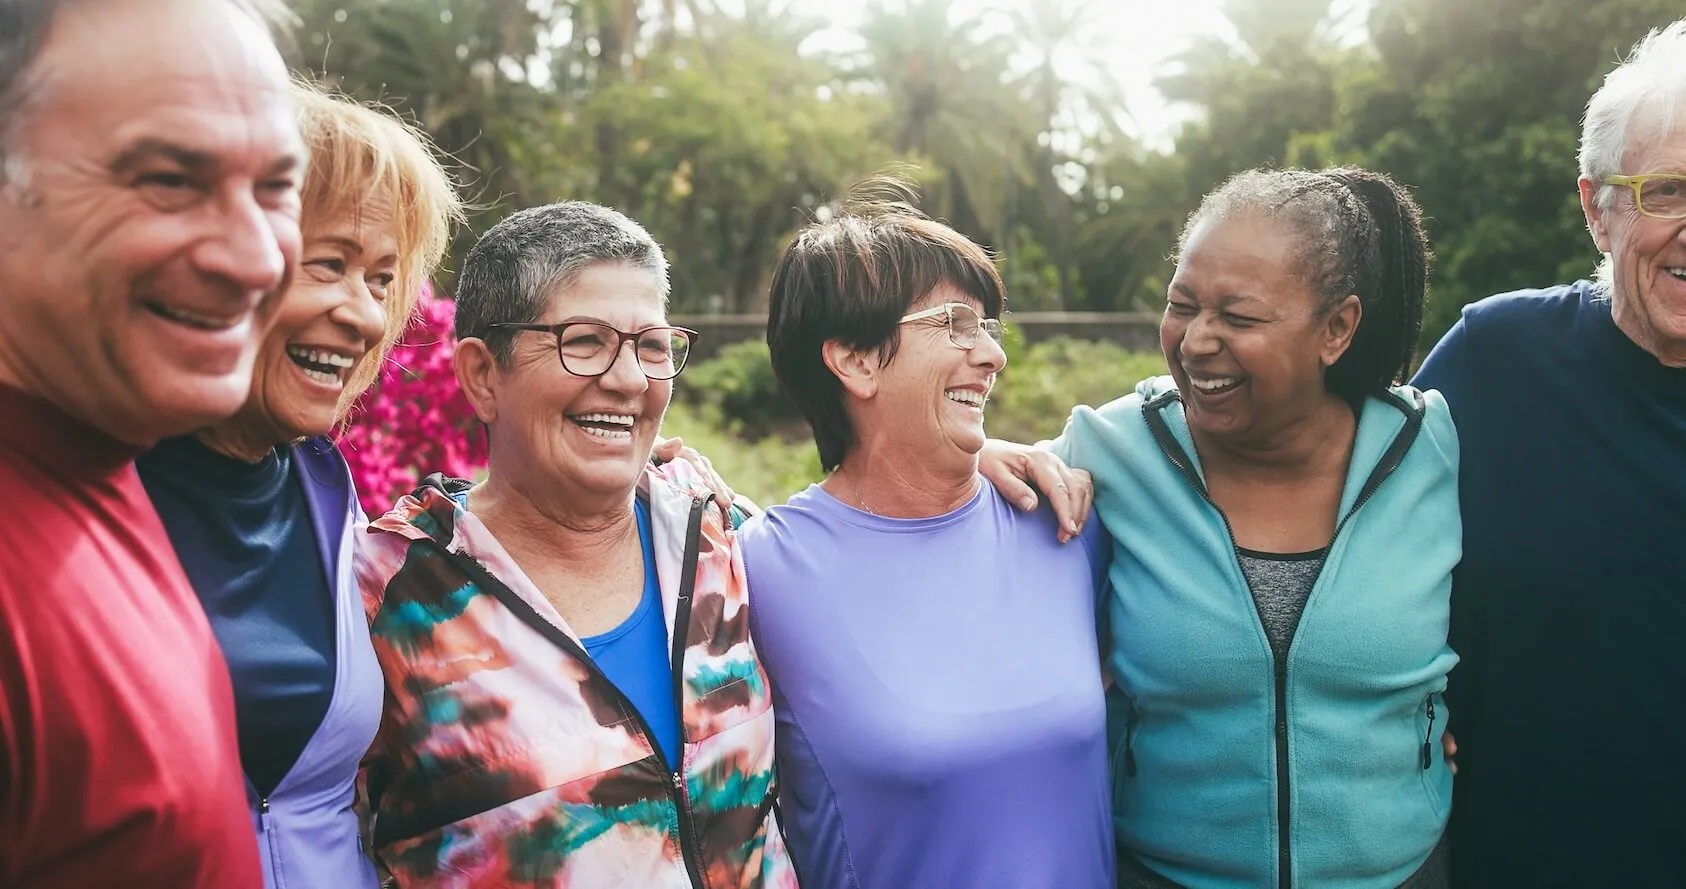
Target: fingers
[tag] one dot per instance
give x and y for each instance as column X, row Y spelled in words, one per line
column 713, row 478
column 1054, row 479
column 1083, row 485
column 1002, row 463
column 667, row 449
column 1449, row 745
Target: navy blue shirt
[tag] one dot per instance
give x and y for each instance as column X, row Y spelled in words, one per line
column 244, row 536
column 634, row 654
column 1569, row 609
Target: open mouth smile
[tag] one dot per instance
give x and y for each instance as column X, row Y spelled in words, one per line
column 1210, row 386
column 611, row 427
column 323, row 366
column 195, row 320
column 969, row 397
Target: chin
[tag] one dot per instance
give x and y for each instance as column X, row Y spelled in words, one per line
column 191, row 403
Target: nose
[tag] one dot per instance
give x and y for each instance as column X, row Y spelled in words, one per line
column 625, row 376
column 361, row 312
column 246, row 244
column 1199, row 339
column 988, row 354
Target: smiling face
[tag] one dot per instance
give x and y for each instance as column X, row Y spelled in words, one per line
column 930, row 399
column 553, row 430
column 331, row 320
column 1648, row 255
column 1241, row 333
column 156, row 217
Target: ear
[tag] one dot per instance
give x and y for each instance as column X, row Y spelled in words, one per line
column 1597, row 218
column 476, row 371
column 855, row 369
column 1339, row 326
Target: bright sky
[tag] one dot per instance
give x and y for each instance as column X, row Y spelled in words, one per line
column 1135, row 36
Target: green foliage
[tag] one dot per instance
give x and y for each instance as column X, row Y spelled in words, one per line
column 738, row 384
column 766, row 470
column 1044, row 381
column 719, row 127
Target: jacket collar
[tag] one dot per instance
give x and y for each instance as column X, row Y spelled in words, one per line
column 1388, row 424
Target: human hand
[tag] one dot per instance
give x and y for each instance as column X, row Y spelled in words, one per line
column 668, row 450
column 1015, row 468
column 1449, row 746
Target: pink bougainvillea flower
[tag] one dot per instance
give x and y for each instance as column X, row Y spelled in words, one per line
column 414, row 420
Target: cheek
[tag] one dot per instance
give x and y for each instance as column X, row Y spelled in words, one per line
column 1171, row 337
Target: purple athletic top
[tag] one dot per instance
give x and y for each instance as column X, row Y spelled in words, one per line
column 938, row 690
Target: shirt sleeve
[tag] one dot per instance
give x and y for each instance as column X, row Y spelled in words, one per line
column 1446, row 368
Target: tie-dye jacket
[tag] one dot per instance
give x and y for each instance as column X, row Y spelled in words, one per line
column 507, row 759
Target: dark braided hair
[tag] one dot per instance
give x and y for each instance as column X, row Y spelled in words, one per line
column 1362, row 234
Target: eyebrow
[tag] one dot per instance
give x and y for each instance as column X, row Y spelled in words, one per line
column 193, row 159
column 1227, row 299
column 351, row 245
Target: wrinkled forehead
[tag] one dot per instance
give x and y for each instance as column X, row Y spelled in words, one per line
column 200, row 73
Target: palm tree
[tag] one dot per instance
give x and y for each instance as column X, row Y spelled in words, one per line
column 946, row 80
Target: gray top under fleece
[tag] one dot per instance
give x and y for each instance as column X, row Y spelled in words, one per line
column 1281, row 583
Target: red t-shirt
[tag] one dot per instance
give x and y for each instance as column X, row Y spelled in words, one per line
column 118, row 759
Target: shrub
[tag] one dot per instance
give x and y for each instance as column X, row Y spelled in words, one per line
column 766, row 470
column 738, row 386
column 1045, row 380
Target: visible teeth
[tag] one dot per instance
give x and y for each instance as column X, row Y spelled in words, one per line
column 965, row 396
column 1677, row 272
column 322, row 376
column 1213, row 385
column 322, row 357
column 613, row 434
column 617, row 419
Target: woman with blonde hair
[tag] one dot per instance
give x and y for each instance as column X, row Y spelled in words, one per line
column 261, row 508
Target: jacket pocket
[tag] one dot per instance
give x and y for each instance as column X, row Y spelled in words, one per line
column 1123, row 722
column 1431, row 762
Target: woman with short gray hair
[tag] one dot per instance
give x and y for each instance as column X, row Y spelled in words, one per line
column 572, row 695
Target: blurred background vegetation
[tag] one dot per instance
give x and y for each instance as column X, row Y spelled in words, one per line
column 723, row 125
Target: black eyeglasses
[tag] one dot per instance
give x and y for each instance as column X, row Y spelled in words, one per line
column 589, row 349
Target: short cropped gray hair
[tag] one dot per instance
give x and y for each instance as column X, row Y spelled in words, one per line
column 513, row 271
column 24, row 25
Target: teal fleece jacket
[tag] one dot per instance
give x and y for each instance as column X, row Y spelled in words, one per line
column 1232, row 770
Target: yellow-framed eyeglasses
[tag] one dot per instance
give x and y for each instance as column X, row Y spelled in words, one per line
column 1657, row 195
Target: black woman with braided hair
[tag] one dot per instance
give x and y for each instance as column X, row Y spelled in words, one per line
column 1284, row 522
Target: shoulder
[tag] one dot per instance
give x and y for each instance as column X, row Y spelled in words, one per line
column 1111, row 422
column 1436, row 430
column 777, row 525
column 1524, row 314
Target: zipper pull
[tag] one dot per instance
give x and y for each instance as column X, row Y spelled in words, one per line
column 1428, row 748
column 678, row 782
column 1130, row 740
column 263, row 815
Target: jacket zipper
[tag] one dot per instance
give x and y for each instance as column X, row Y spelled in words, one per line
column 681, row 628
column 1391, row 458
column 1131, row 720
column 1428, row 736
column 681, row 619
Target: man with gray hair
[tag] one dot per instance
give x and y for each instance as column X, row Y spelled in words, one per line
column 149, row 166
column 1569, row 608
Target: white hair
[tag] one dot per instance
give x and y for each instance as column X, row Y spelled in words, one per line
column 1645, row 96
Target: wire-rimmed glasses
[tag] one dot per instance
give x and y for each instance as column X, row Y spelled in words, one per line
column 590, row 348
column 963, row 322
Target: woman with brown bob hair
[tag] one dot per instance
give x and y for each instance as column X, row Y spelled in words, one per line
column 261, row 508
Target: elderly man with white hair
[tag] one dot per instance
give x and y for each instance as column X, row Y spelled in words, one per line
column 1569, row 609
column 149, row 166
